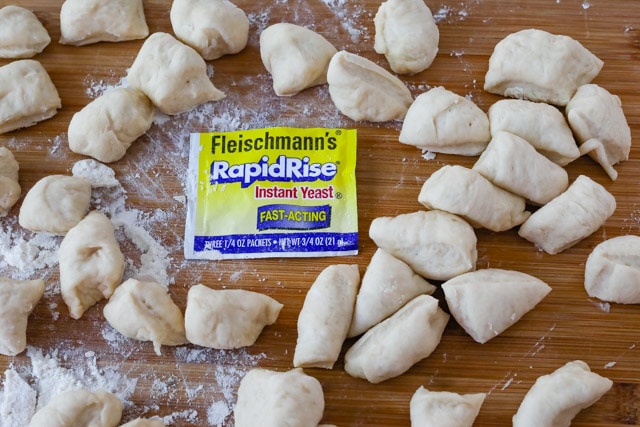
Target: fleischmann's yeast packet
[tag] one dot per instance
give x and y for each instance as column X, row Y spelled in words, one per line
column 275, row 192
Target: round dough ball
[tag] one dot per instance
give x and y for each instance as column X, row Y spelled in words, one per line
column 22, row 35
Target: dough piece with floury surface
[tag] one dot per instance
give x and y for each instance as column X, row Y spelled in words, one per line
column 17, row 300
column 145, row 422
column 22, row 35
column 444, row 409
column 9, row 187
column 81, row 407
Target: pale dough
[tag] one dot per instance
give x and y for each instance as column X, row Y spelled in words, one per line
column 80, row 408
column 444, row 409
column 9, row 186
column 144, row 422
column 22, row 35
column 17, row 300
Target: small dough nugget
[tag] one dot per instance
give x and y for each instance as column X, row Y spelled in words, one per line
column 406, row 34
column 539, row 66
column 394, row 345
column 229, row 318
column 597, row 119
column 106, row 127
column 144, row 311
column 570, row 217
column 444, row 408
column 274, row 399
column 28, row 95
column 555, row 399
column 22, row 35
column 172, row 74
column 296, row 57
column 325, row 316
column 487, row 302
column 17, row 300
column 444, row 122
column 362, row 90
column 435, row 244
column 9, row 186
column 463, row 191
column 84, row 22
column 80, row 408
column 144, row 422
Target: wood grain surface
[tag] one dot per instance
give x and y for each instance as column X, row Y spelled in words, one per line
column 566, row 325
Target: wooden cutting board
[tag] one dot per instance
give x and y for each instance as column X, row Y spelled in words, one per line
column 566, row 325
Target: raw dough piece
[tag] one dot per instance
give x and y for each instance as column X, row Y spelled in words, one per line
column 296, row 57
column 212, row 27
column 393, row 346
column 542, row 125
column 227, row 319
column 9, row 186
column 22, row 35
column 91, row 263
column 17, row 300
column 325, row 317
column 144, row 422
column 539, row 66
column 510, row 162
column 18, row 400
column 444, row 409
column 487, row 302
column 406, row 34
column 598, row 121
column 172, row 74
column 612, row 272
column 570, row 217
column 362, row 90
column 387, row 285
column 465, row 192
column 144, row 311
column 84, row 22
column 106, row 127
column 444, row 122
column 555, row 399
column 435, row 244
column 275, row 399
column 80, row 408
column 55, row 204
column 28, row 95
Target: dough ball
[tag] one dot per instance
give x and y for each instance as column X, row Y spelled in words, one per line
column 539, row 66
column 212, row 27
column 227, row 319
column 444, row 408
column 406, row 34
column 598, row 121
column 362, row 90
column 28, row 95
column 55, row 204
column 9, row 186
column 296, row 57
column 444, row 122
column 107, row 126
column 172, row 74
column 17, row 300
column 80, row 407
column 22, row 35
column 84, row 22
column 144, row 422
column 144, row 311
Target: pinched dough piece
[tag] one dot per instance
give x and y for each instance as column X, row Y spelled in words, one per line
column 598, row 121
column 28, row 95
column 510, row 162
column 275, row 399
column 144, row 311
column 84, row 22
column 570, row 217
column 144, row 422
column 80, row 408
column 227, row 319
column 9, row 186
column 296, row 57
column 325, row 316
column 556, row 398
column 172, row 74
column 17, row 300
column 55, row 204
column 22, row 35
column 536, row 65
column 406, row 34
column 487, row 302
column 435, row 244
column 444, row 122
column 362, row 90
column 444, row 409
column 465, row 192
column 106, row 127
column 212, row 27
column 387, row 285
